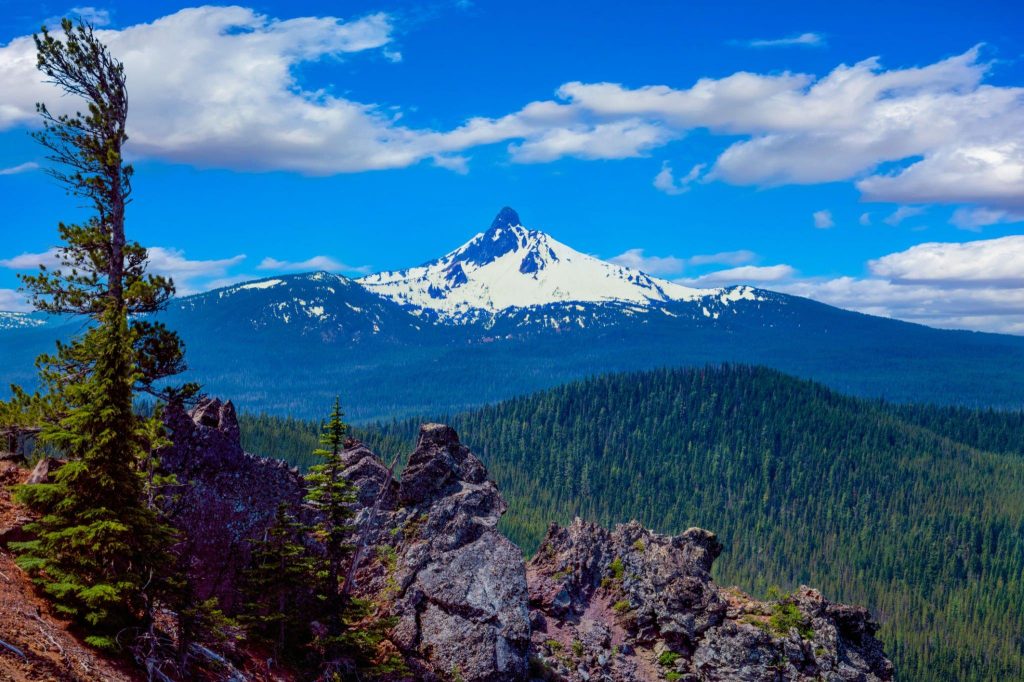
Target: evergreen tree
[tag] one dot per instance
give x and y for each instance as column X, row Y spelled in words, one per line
column 100, row 544
column 277, row 587
column 332, row 496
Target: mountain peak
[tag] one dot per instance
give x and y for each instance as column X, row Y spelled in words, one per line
column 507, row 217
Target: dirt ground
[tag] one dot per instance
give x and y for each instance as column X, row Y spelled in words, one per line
column 46, row 650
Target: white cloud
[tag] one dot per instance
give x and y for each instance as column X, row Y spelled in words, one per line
column 901, row 214
column 670, row 265
column 20, row 168
column 31, row 261
column 972, row 285
column 614, row 140
column 975, row 218
column 995, row 262
column 823, row 220
column 666, row 182
column 310, row 264
column 723, row 258
column 12, row 301
column 456, row 163
column 804, row 39
column 190, row 276
column 865, row 219
column 652, row 265
column 206, row 82
column 745, row 274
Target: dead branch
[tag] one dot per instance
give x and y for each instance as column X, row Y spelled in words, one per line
column 233, row 674
column 14, row 649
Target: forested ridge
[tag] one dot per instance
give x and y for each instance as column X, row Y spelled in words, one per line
column 896, row 507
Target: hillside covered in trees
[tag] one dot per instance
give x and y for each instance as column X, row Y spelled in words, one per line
column 917, row 512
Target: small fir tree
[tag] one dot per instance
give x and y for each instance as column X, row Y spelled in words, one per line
column 276, row 610
column 331, row 496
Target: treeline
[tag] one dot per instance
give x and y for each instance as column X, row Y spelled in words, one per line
column 895, row 507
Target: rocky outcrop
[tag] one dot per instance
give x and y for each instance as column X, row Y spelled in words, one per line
column 593, row 604
column 225, row 497
column 455, row 585
column 629, row 604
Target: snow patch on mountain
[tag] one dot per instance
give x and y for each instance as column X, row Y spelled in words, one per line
column 511, row 266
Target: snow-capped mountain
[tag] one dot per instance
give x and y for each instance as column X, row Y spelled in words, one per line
column 510, row 267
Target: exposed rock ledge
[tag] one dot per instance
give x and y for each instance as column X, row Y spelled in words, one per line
column 593, row 604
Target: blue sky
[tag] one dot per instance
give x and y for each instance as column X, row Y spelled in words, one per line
column 706, row 142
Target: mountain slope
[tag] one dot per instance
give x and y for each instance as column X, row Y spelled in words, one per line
column 512, row 267
column 802, row 485
column 514, row 311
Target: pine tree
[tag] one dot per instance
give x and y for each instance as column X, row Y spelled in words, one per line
column 100, row 547
column 276, row 587
column 332, row 496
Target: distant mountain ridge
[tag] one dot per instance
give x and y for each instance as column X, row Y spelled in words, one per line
column 513, row 311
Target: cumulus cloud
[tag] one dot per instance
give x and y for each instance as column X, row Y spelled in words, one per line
column 217, row 86
column 652, row 265
column 13, row 301
column 208, row 83
column 666, row 182
column 804, row 39
column 745, row 274
column 31, row 261
column 190, row 276
column 315, row 263
column 20, row 168
column 987, row 262
column 823, row 220
column 972, row 285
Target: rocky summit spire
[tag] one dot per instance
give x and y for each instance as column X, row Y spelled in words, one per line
column 507, row 217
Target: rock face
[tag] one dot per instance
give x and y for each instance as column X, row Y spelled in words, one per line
column 226, row 497
column 628, row 604
column 593, row 604
column 457, row 587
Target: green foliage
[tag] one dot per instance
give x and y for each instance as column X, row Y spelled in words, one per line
column 277, row 604
column 332, row 496
column 916, row 512
column 786, row 616
column 667, row 658
column 577, row 648
column 617, row 569
column 98, row 545
column 100, row 549
column 621, row 606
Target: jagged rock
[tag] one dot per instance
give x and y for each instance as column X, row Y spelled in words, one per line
column 226, row 497
column 629, row 604
column 458, row 586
